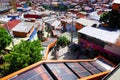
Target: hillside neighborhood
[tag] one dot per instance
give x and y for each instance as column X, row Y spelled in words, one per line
column 59, row 39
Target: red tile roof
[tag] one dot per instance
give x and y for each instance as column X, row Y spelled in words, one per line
column 12, row 24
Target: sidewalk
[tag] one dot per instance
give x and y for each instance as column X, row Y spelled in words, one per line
column 65, row 54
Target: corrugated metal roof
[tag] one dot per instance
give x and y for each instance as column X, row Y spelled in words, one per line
column 56, row 23
column 85, row 22
column 103, row 35
column 63, row 70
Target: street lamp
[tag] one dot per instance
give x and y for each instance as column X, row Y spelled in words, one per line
column 72, row 27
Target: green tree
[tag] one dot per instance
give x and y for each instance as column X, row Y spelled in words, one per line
column 112, row 18
column 24, row 54
column 61, row 7
column 46, row 7
column 63, row 41
column 72, row 6
column 5, row 39
column 104, row 17
column 29, row 3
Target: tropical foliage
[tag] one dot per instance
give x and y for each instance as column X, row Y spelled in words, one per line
column 63, row 41
column 112, row 18
column 46, row 7
column 29, row 3
column 62, row 7
column 24, row 54
column 5, row 39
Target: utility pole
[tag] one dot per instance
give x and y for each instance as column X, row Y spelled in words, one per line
column 72, row 28
column 72, row 31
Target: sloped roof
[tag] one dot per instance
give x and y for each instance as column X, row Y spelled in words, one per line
column 63, row 70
